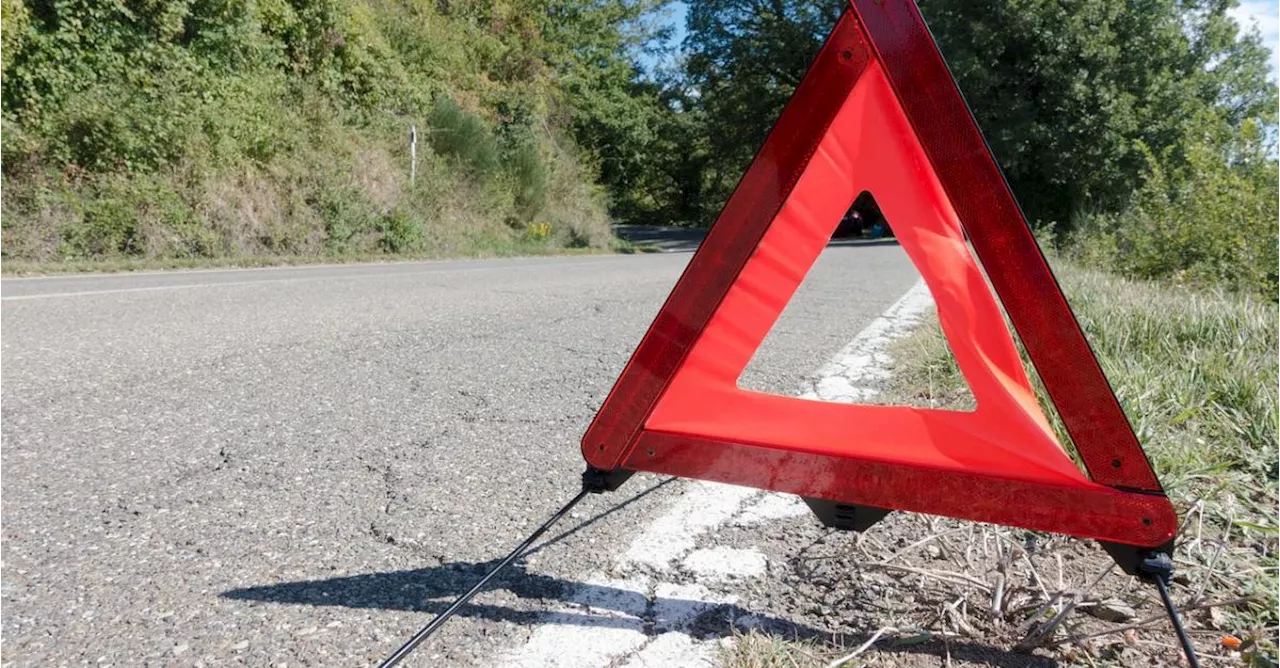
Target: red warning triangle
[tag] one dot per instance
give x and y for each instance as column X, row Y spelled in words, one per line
column 878, row 111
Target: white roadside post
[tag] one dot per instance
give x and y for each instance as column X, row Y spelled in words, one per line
column 413, row 153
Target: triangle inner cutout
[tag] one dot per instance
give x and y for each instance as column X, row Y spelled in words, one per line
column 846, row 329
column 868, row 146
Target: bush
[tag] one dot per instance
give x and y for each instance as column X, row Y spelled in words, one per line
column 400, row 233
column 131, row 216
column 109, row 227
column 458, row 134
column 1212, row 223
column 349, row 220
column 530, row 180
column 576, row 209
column 111, row 127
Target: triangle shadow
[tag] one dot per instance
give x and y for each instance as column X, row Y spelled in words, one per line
column 590, row 605
column 431, row 590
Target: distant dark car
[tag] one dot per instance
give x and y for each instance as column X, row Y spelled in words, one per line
column 863, row 219
column 851, row 225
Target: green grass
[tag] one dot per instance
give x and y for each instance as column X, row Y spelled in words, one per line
column 1195, row 371
column 761, row 650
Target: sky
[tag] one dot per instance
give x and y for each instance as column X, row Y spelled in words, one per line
column 1266, row 15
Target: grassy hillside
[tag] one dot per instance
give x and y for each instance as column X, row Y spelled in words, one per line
column 214, row 128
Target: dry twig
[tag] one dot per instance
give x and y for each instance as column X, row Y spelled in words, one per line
column 861, row 648
column 916, row 544
column 945, row 576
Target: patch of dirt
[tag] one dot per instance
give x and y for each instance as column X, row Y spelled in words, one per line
column 943, row 592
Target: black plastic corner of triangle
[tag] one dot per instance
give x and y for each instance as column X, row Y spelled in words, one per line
column 1131, row 557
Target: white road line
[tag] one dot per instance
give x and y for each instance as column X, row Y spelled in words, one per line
column 644, row 620
column 296, row 279
column 153, row 288
column 301, row 267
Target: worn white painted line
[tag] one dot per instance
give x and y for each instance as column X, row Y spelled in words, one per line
column 704, row 507
column 607, row 620
column 150, row 288
column 769, row 507
column 673, row 649
column 851, row 375
column 335, row 276
column 724, row 563
column 645, row 620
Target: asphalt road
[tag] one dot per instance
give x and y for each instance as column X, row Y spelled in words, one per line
column 299, row 465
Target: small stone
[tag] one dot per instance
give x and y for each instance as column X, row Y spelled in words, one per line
column 181, row 649
column 1113, row 610
column 243, row 644
column 1216, row 617
column 933, row 551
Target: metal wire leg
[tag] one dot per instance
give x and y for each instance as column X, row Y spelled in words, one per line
column 441, row 618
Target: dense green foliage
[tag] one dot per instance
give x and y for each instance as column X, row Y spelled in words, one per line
column 222, row 127
column 1204, row 221
column 745, row 59
column 1075, row 95
column 1150, row 121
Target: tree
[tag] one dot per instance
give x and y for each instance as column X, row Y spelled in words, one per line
column 614, row 111
column 745, row 58
column 1072, row 94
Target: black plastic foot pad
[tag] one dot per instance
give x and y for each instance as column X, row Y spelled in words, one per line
column 596, row 481
column 844, row 516
column 1130, row 557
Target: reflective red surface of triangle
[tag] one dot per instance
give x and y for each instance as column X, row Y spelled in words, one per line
column 879, row 112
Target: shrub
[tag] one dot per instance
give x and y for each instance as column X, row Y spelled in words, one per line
column 461, row 135
column 400, row 233
column 1212, row 223
column 109, row 227
column 13, row 26
column 530, row 178
column 349, row 219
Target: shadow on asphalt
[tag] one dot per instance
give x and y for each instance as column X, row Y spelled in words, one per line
column 861, row 243
column 416, row 590
column 654, row 239
column 649, row 238
column 431, row 590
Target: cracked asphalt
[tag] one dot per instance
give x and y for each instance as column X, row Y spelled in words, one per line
column 299, row 465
